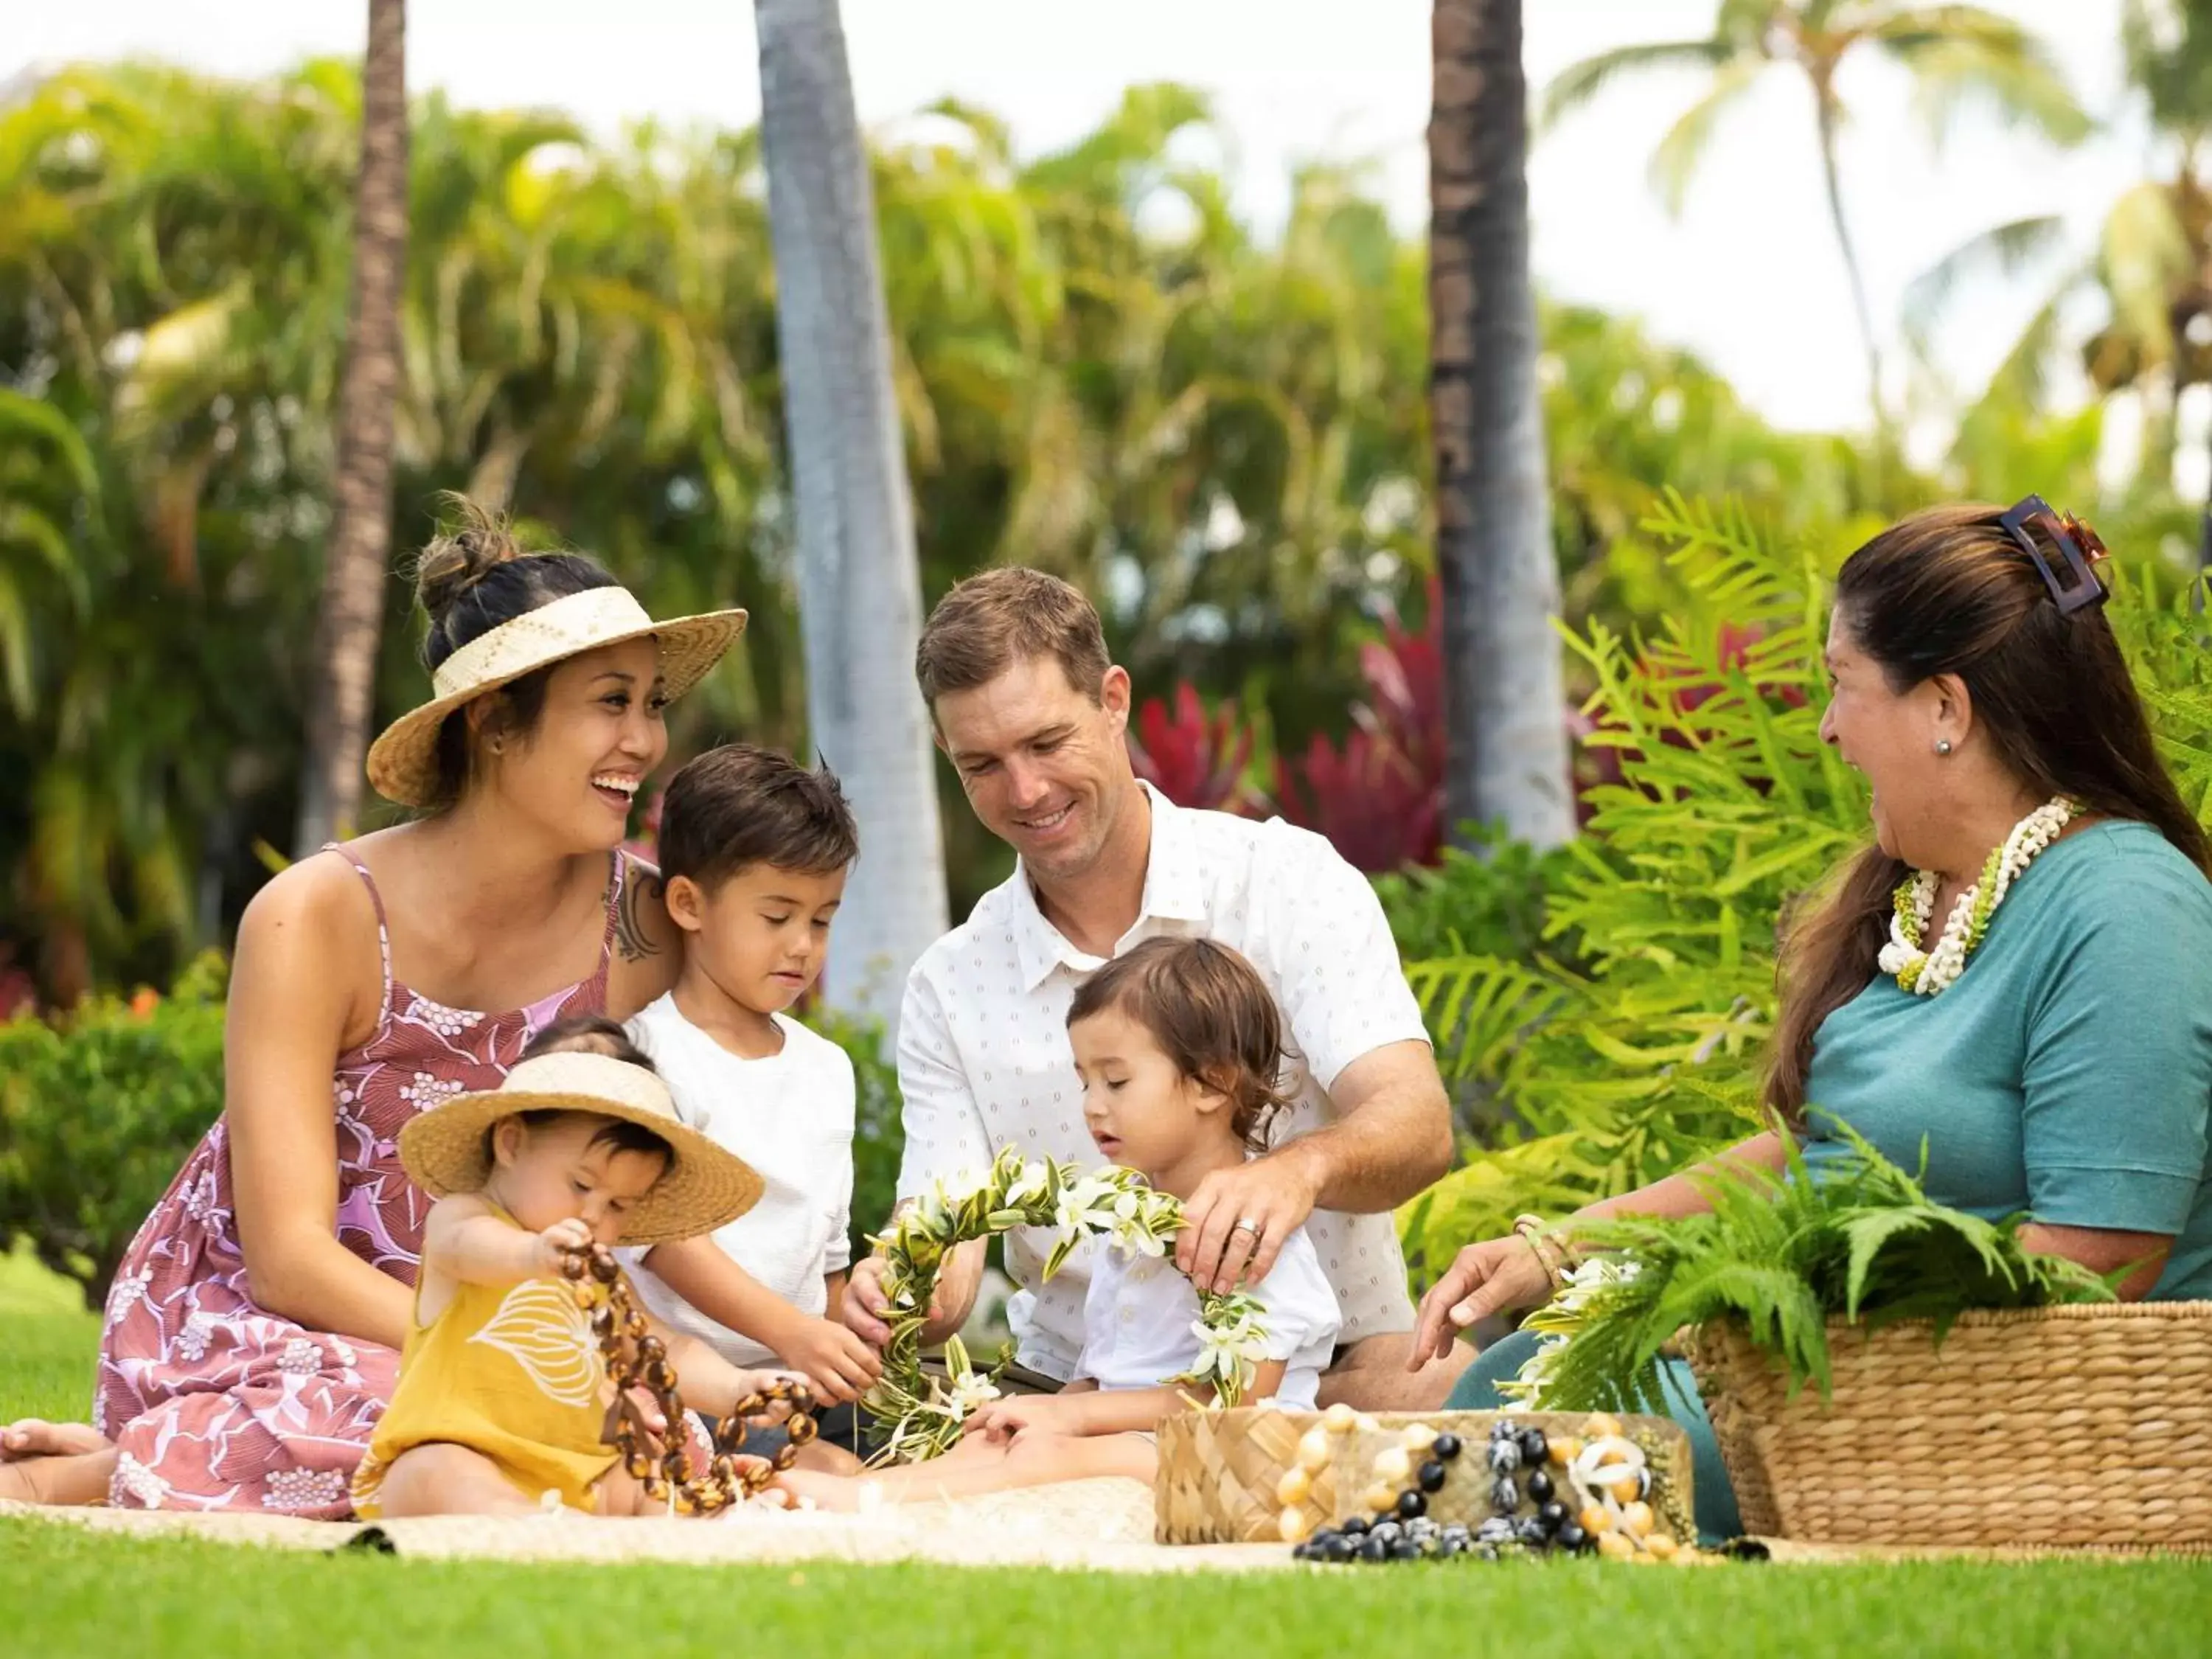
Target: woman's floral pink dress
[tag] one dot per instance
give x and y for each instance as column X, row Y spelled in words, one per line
column 216, row 1404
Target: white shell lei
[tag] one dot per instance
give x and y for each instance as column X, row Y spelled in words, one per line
column 1925, row 972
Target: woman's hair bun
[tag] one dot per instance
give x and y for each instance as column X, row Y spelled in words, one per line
column 461, row 556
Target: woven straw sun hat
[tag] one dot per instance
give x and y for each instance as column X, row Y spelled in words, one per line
column 703, row 1187
column 403, row 763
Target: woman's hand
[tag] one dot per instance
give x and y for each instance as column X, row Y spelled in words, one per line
column 1491, row 1277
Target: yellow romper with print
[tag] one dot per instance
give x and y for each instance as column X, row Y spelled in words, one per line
column 508, row 1371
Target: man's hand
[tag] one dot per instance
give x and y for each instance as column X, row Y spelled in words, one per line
column 1484, row 1278
column 836, row 1361
column 1234, row 1225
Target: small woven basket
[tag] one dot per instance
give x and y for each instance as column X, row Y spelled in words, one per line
column 1219, row 1471
column 2084, row 1426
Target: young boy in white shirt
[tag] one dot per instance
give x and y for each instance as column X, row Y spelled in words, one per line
column 754, row 850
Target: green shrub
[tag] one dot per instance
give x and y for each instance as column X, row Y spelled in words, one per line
column 1484, row 900
column 878, row 1136
column 99, row 1110
column 1630, row 1042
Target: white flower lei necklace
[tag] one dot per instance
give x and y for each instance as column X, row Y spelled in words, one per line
column 1926, row 972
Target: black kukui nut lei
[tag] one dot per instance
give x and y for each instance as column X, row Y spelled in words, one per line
column 1405, row 1532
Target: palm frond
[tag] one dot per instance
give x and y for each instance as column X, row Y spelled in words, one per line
column 1578, row 83
column 1952, row 79
column 1683, row 148
column 1999, row 254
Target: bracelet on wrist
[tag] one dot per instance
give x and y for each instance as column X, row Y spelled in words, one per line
column 1544, row 1244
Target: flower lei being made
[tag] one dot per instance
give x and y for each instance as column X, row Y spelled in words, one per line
column 1925, row 972
column 920, row 1416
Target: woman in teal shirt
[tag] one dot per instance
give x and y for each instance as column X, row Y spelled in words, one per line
column 2059, row 1064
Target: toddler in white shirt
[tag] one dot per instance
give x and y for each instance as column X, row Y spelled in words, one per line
column 754, row 850
column 1178, row 1046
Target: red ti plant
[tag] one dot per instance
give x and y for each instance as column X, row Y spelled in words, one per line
column 1193, row 759
column 1380, row 798
column 18, row 993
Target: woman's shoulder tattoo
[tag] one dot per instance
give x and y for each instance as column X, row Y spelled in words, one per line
column 634, row 935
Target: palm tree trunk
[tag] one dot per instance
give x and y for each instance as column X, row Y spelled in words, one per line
column 860, row 582
column 1825, row 103
column 351, row 617
column 1504, row 712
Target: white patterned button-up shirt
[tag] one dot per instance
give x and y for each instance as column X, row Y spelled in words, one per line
column 984, row 1062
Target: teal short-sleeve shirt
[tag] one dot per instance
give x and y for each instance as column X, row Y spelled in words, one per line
column 2068, row 1071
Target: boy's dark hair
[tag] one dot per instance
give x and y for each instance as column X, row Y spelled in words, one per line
column 1211, row 1013
column 592, row 1034
column 741, row 804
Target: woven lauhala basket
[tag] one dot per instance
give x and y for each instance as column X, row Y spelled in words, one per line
column 1217, row 1474
column 2079, row 1426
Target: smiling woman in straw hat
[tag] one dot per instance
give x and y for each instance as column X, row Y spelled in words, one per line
column 252, row 1338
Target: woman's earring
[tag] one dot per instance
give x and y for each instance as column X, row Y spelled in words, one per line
column 1942, row 745
column 498, row 746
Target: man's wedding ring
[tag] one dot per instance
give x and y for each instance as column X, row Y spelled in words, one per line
column 1246, row 1224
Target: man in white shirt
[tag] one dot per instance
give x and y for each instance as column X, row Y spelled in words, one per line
column 1031, row 712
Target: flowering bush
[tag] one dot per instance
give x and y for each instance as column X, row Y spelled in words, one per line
column 98, row 1109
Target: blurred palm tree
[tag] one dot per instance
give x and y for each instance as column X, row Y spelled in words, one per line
column 860, row 588
column 349, row 620
column 1957, row 56
column 2150, row 268
column 1503, row 706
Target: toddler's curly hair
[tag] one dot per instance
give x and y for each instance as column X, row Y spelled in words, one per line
column 1212, row 1015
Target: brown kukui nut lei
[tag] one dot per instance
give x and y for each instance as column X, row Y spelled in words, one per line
column 635, row 1358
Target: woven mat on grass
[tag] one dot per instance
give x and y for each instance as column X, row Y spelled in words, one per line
column 1103, row 1525
column 1093, row 1525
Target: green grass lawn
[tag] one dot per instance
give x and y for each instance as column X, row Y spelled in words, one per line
column 67, row 1592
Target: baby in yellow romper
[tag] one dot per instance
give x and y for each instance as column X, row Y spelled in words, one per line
column 502, row 1393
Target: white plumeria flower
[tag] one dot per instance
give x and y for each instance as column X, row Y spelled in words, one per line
column 962, row 1185
column 1076, row 1214
column 1134, row 1237
column 971, row 1392
column 1028, row 1186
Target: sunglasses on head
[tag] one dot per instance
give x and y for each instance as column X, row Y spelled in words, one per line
column 2080, row 587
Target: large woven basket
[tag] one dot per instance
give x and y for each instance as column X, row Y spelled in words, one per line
column 2079, row 1427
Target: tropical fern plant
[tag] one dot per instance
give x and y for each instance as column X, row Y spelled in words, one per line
column 1784, row 1254
column 1628, row 1043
